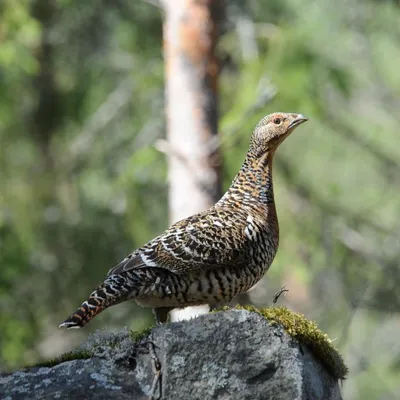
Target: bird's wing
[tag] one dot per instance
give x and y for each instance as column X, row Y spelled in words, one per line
column 207, row 240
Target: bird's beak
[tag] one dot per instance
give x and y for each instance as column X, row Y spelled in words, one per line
column 298, row 120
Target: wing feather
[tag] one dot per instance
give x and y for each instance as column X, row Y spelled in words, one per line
column 201, row 241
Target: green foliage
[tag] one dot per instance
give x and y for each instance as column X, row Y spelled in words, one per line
column 81, row 183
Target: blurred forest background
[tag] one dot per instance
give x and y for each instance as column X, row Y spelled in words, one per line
column 82, row 182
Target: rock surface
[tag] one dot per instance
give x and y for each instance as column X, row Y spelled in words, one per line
column 227, row 355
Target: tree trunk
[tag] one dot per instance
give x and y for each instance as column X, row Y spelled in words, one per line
column 191, row 30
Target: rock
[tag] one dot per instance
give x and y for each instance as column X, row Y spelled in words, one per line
column 235, row 354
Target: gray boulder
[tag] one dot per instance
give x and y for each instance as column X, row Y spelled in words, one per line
column 235, row 354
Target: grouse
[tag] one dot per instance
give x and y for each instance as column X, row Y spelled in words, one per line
column 210, row 257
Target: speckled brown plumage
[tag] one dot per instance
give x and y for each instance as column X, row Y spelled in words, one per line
column 210, row 257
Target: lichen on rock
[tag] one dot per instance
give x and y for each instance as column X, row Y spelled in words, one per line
column 103, row 344
column 242, row 352
column 307, row 333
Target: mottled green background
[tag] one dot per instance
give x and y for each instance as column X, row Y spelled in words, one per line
column 81, row 183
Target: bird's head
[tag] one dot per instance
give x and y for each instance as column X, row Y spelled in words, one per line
column 273, row 129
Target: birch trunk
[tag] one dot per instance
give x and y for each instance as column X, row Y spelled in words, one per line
column 190, row 37
column 191, row 30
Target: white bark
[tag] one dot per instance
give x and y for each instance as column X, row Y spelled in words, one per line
column 190, row 36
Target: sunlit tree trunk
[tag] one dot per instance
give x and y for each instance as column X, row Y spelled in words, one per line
column 191, row 31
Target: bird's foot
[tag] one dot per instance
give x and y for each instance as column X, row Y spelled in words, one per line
column 161, row 314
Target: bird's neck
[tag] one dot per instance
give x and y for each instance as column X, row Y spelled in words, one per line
column 253, row 184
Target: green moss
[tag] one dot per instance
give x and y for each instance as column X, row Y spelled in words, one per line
column 71, row 355
column 308, row 334
column 111, row 342
column 137, row 336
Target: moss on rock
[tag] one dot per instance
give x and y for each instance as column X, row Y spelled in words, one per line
column 71, row 355
column 137, row 336
column 101, row 344
column 307, row 333
column 109, row 345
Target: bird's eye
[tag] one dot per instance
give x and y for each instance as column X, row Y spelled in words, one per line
column 277, row 121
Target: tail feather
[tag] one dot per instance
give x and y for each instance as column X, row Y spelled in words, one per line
column 88, row 310
column 113, row 291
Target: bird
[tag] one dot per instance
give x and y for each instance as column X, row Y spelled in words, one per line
column 210, row 257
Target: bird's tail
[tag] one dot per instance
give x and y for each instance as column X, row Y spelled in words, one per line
column 113, row 291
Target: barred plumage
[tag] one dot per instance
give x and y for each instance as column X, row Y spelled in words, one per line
column 210, row 257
